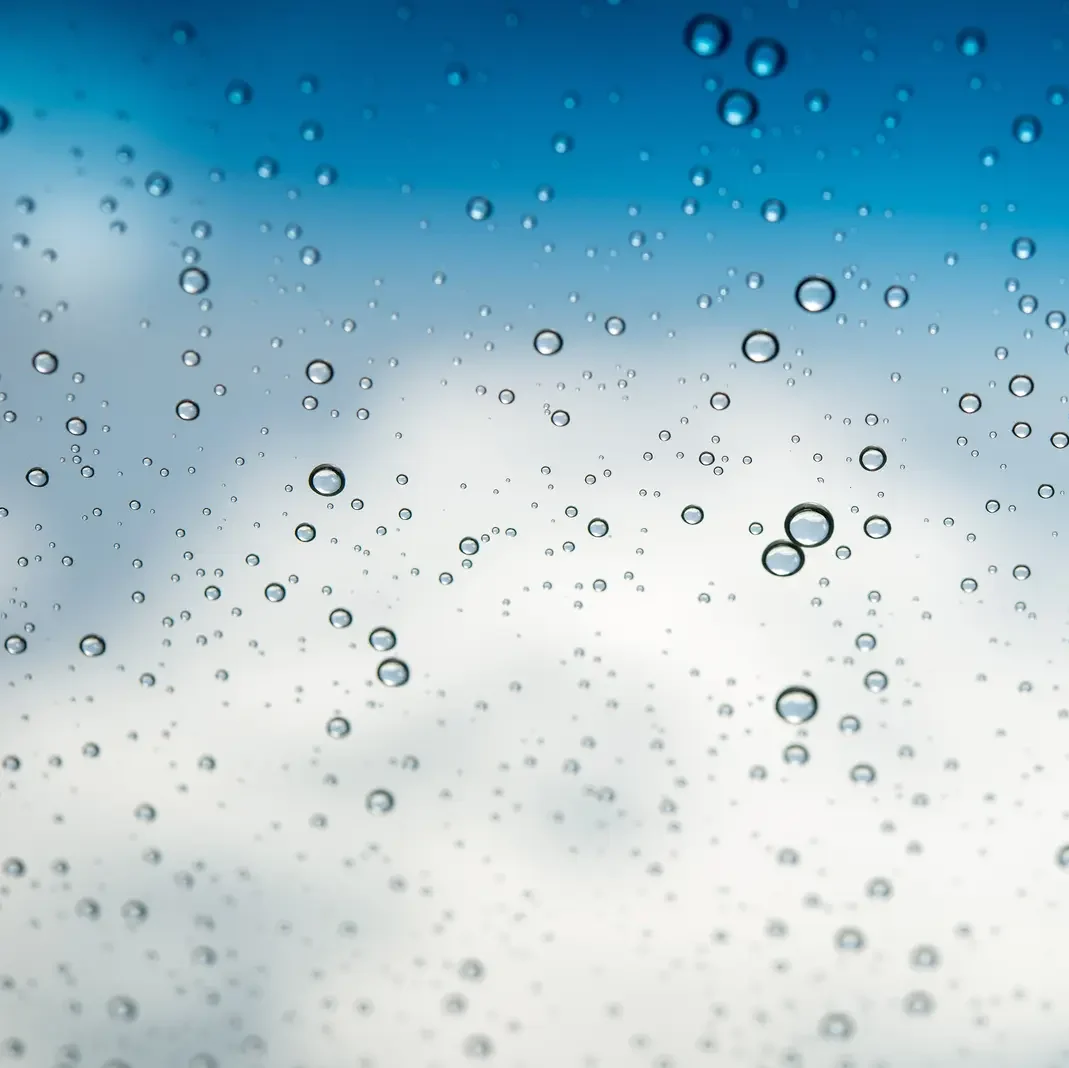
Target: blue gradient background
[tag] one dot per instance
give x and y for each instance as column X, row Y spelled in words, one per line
column 674, row 900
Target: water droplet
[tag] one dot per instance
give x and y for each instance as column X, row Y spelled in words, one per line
column 796, row 754
column 479, row 209
column 615, row 326
column 1023, row 248
column 737, row 107
column 971, row 42
column 760, row 346
column 76, row 426
column 319, row 371
column 875, row 682
column 562, row 143
column 338, row 727
column 187, row 410
column 341, row 618
column 275, row 592
column 969, row 403
column 815, row 294
column 393, row 672
column 304, row 532
column 872, row 458
column 1021, row 385
column 382, row 639
column 379, row 802
column 45, row 363
column 719, row 401
column 193, row 281
column 37, row 477
column 773, row 210
column 469, row 546
column 782, row 558
column 692, row 514
column 1027, row 129
column 877, row 526
column 796, row 704
column 809, row 525
column 266, row 167
column 157, row 184
column 326, row 480
column 817, row 101
column 506, row 396
column 239, row 92
column 765, row 58
column 865, row 773
column 598, row 528
column 548, row 342
column 707, row 36
column 1021, row 572
column 92, row 645
column 896, row 296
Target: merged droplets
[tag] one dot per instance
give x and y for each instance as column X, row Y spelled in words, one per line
column 187, row 410
column 548, row 342
column 765, row 58
column 737, row 107
column 707, row 36
column 392, row 672
column 760, row 346
column 809, row 525
column 782, row 558
column 326, row 480
column 796, row 705
column 815, row 294
column 872, row 458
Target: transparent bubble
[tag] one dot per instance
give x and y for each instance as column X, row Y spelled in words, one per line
column 773, row 210
column 45, row 363
column 1027, row 129
column 382, row 639
column 969, row 403
column 707, row 36
column 896, row 296
column 765, row 58
column 796, row 704
column 319, row 371
column 275, row 592
column 379, row 802
column 615, row 326
column 37, row 477
column 692, row 514
column 326, row 480
column 877, row 526
column 737, row 107
column 815, row 294
column 548, row 342
column 809, row 525
column 760, row 346
column 1021, row 385
column 187, row 410
column 872, row 458
column 782, row 558
column 341, row 618
column 392, row 672
column 92, row 645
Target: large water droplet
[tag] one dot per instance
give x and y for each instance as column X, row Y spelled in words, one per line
column 382, row 639
column 187, row 410
column 692, row 514
column 319, row 371
column 737, row 107
column 782, row 558
column 45, row 363
column 92, row 645
column 548, row 342
column 1027, row 128
column 760, row 346
column 392, row 672
column 877, row 526
column 326, row 480
column 872, row 458
column 479, row 209
column 809, row 525
column 971, row 42
column 815, row 294
column 765, row 58
column 796, row 704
